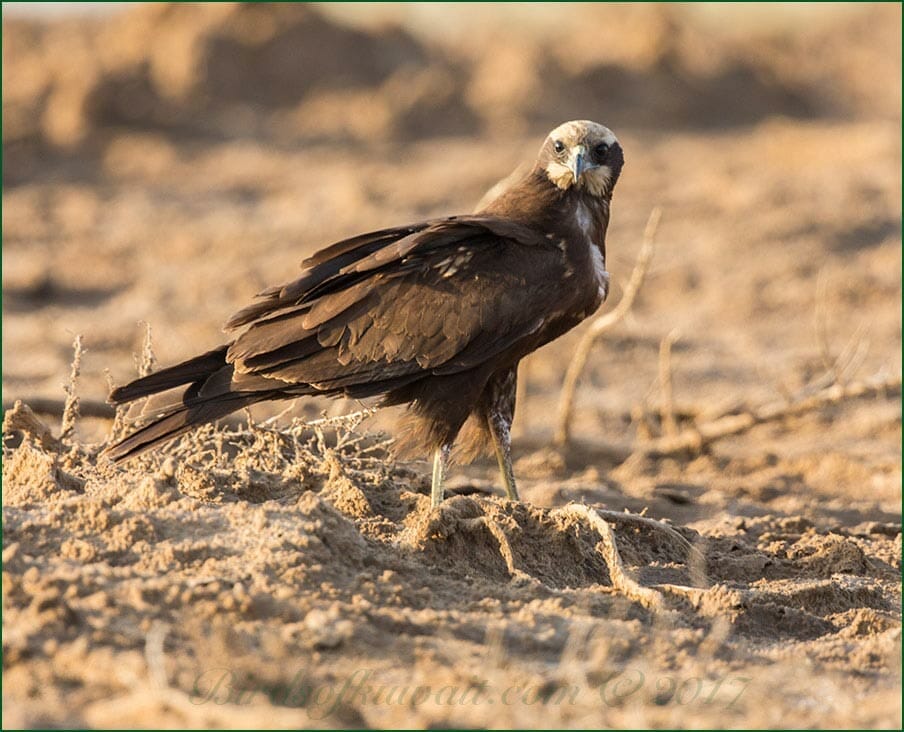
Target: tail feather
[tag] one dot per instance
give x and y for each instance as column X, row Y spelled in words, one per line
column 206, row 395
column 186, row 372
column 177, row 423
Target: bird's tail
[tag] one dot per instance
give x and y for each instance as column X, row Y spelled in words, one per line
column 206, row 398
column 199, row 367
column 174, row 424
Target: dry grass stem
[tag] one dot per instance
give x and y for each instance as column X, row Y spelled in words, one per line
column 147, row 361
column 71, row 405
column 667, row 407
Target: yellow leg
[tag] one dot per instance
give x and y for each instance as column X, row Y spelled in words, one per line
column 440, row 463
column 500, row 430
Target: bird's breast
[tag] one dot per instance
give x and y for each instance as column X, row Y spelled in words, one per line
column 583, row 289
column 600, row 274
column 584, row 252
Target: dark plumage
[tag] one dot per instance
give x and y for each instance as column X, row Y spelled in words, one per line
column 435, row 314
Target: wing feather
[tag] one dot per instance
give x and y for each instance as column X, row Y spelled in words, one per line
column 318, row 269
column 436, row 297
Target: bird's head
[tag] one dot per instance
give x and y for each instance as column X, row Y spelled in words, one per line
column 584, row 155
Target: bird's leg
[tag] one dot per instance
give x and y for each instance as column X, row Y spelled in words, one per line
column 440, row 462
column 500, row 424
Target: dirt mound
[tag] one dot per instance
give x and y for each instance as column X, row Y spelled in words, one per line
column 254, row 567
column 287, row 73
column 277, row 574
column 195, row 69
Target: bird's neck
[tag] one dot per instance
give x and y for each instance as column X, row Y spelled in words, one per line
column 537, row 201
column 572, row 220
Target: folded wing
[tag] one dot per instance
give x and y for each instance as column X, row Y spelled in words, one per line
column 437, row 297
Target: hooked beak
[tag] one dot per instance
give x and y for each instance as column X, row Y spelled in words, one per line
column 577, row 164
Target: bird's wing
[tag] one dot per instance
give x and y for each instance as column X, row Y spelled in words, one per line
column 439, row 297
column 318, row 269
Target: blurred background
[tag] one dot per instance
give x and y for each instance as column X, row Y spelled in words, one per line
column 163, row 162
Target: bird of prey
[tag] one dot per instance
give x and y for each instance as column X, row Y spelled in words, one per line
column 435, row 314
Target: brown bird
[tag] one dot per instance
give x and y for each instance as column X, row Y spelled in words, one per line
column 435, row 314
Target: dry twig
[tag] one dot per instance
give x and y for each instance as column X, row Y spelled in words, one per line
column 601, row 521
column 505, row 548
column 118, row 428
column 600, row 325
column 694, row 439
column 147, row 360
column 56, row 407
column 667, row 407
column 647, row 597
column 349, row 421
column 71, row 407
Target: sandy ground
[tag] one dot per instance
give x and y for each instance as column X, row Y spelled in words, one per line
column 164, row 165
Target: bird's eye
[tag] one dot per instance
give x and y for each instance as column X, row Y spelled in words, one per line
column 558, row 146
column 601, row 149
